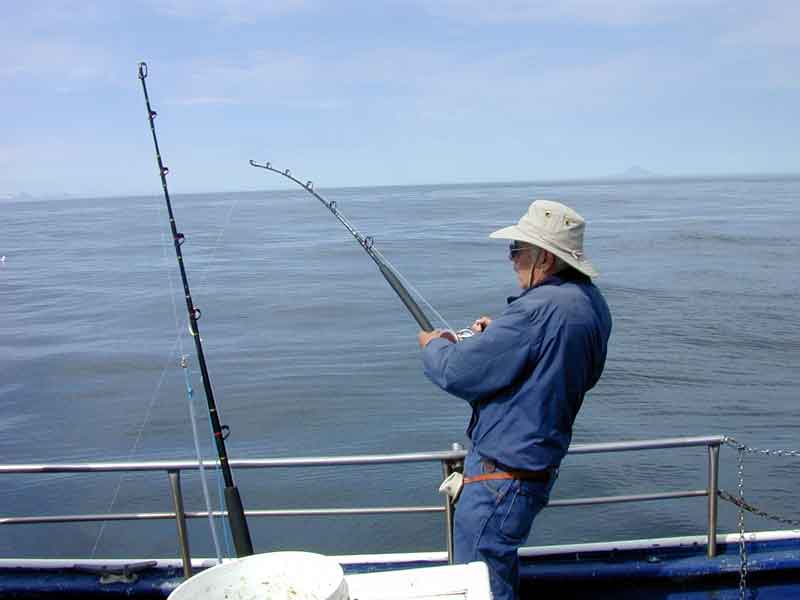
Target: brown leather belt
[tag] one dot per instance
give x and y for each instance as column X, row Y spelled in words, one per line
column 543, row 476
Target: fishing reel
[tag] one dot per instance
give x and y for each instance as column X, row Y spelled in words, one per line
column 463, row 334
column 457, row 336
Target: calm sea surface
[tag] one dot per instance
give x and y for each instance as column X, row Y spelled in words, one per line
column 310, row 353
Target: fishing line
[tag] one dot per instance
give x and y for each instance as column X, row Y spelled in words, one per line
column 392, row 275
column 178, row 345
column 190, row 401
column 130, row 456
column 148, row 411
column 199, row 454
column 413, row 290
column 181, row 328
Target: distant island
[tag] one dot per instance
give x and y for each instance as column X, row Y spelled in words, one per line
column 16, row 196
column 9, row 196
column 24, row 196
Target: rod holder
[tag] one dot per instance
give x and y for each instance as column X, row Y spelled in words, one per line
column 180, row 519
column 449, row 467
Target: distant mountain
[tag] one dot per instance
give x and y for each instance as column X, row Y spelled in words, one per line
column 636, row 172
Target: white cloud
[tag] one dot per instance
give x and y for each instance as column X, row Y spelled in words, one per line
column 59, row 62
column 436, row 85
column 232, row 11
column 256, row 78
column 313, row 80
column 59, row 13
column 203, row 100
column 521, row 87
column 606, row 12
column 770, row 23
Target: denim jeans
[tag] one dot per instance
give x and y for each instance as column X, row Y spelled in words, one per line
column 493, row 519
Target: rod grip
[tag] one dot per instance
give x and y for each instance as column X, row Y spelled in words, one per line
column 239, row 531
column 402, row 292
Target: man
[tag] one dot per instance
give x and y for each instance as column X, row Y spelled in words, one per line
column 524, row 374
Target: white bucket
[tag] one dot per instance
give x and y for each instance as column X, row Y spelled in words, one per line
column 271, row 576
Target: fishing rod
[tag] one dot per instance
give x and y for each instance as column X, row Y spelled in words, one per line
column 233, row 501
column 368, row 244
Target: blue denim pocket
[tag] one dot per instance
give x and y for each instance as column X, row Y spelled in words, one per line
column 517, row 514
column 521, row 505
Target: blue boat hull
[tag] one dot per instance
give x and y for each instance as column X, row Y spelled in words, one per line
column 668, row 573
column 664, row 572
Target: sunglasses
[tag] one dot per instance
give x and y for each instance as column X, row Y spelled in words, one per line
column 515, row 248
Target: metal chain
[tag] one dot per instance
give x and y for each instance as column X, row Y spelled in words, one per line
column 763, row 451
column 738, row 501
column 742, row 545
column 744, row 506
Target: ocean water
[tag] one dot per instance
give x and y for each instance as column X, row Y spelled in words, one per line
column 310, row 353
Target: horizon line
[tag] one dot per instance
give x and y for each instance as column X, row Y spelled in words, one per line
column 618, row 178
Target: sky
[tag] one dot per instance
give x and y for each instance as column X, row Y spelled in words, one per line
column 385, row 92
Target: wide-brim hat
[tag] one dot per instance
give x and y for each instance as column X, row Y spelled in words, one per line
column 555, row 228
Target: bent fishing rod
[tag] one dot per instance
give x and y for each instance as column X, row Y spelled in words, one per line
column 367, row 243
column 233, row 501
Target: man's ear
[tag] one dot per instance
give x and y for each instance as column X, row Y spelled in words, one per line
column 548, row 260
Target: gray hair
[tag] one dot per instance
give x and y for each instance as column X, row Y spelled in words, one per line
column 559, row 264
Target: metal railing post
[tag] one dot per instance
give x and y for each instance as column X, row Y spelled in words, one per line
column 713, row 487
column 448, row 514
column 180, row 518
column 448, row 467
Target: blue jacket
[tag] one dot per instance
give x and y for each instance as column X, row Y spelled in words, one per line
column 525, row 376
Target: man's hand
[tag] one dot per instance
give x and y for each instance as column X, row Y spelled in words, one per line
column 480, row 324
column 426, row 336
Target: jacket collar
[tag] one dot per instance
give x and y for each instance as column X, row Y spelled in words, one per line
column 567, row 275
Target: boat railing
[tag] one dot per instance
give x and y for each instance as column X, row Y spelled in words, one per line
column 450, row 460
